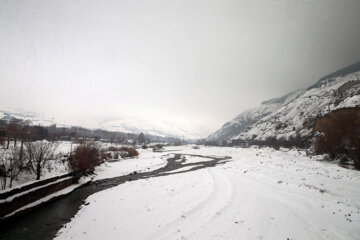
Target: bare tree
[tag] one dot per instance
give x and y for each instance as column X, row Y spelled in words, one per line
column 39, row 153
column 10, row 165
column 141, row 138
column 3, row 171
column 15, row 164
column 12, row 131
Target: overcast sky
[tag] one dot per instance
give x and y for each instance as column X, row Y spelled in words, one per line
column 191, row 62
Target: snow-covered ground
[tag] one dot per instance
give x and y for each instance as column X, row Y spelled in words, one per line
column 147, row 161
column 258, row 194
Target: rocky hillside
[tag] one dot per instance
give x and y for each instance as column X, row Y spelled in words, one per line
column 246, row 119
column 291, row 114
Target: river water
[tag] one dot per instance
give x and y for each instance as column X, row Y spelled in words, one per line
column 44, row 222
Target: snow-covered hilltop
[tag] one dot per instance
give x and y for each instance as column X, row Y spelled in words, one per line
column 156, row 128
column 291, row 114
column 33, row 117
column 125, row 125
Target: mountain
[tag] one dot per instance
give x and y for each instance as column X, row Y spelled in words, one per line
column 289, row 115
column 35, row 118
column 342, row 72
column 244, row 120
column 125, row 125
column 157, row 128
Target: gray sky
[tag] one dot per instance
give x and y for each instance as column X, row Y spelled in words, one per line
column 192, row 62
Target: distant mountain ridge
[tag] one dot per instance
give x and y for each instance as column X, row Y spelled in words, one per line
column 125, row 125
column 286, row 116
column 157, row 128
column 341, row 72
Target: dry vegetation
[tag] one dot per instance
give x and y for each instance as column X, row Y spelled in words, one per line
column 340, row 135
column 86, row 157
column 124, row 151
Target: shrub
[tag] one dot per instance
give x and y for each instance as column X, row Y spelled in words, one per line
column 113, row 149
column 158, row 147
column 85, row 158
column 105, row 155
column 128, row 152
column 340, row 135
column 123, row 151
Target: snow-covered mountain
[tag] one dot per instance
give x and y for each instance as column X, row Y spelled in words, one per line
column 126, row 125
column 288, row 115
column 33, row 117
column 158, row 128
column 244, row 120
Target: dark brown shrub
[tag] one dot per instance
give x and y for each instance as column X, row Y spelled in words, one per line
column 123, row 151
column 341, row 135
column 85, row 158
column 105, row 155
column 128, row 152
column 113, row 149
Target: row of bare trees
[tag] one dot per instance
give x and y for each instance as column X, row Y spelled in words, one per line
column 32, row 156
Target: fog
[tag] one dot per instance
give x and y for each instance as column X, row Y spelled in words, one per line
column 194, row 63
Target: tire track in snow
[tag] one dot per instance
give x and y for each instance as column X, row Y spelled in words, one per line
column 198, row 216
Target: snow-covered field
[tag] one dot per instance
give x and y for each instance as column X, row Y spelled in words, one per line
column 258, row 194
column 147, row 161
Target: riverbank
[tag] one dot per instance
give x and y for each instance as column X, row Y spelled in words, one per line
column 258, row 194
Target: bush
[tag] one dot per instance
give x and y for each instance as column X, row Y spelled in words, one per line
column 113, row 149
column 158, row 147
column 85, row 158
column 123, row 152
column 293, row 141
column 105, row 155
column 340, row 135
column 128, row 152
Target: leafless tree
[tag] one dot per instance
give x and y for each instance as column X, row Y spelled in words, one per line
column 10, row 165
column 3, row 165
column 12, row 131
column 39, row 153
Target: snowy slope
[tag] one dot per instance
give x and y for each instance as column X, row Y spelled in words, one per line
column 290, row 118
column 126, row 125
column 285, row 116
column 158, row 128
column 35, row 118
column 259, row 194
column 249, row 117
